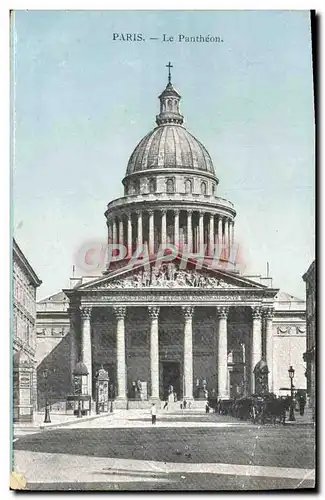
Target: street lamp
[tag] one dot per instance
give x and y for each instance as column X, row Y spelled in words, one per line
column 47, row 418
column 291, row 375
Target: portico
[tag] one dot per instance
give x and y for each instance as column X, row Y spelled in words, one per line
column 135, row 330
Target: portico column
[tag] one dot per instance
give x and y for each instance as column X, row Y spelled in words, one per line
column 211, row 235
column 151, row 233
column 232, row 232
column 163, row 228
column 268, row 322
column 201, row 232
column 189, row 232
column 129, row 236
column 86, row 355
column 140, row 238
column 154, row 351
column 222, row 314
column 74, row 350
column 114, row 232
column 188, row 353
column 120, row 352
column 256, row 351
column 121, row 231
column 176, row 228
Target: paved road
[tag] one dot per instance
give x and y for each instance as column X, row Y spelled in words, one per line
column 121, row 453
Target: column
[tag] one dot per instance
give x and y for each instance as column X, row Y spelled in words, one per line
column 114, row 232
column 163, row 228
column 220, row 232
column 86, row 355
column 154, row 351
column 121, row 231
column 120, row 352
column 211, row 235
column 188, row 353
column 176, row 228
column 74, row 351
column 233, row 232
column 226, row 233
column 268, row 323
column 129, row 236
column 109, row 231
column 222, row 314
column 201, row 232
column 139, row 237
column 151, row 233
column 189, row 231
column 229, row 232
column 256, row 350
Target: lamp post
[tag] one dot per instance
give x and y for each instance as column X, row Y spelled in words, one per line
column 291, row 414
column 47, row 418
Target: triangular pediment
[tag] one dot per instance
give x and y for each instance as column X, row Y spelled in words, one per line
column 175, row 274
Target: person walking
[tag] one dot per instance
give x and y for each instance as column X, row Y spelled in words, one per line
column 153, row 413
column 302, row 404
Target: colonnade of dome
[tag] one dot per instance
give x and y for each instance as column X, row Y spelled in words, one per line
column 170, row 192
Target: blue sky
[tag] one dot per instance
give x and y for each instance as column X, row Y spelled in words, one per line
column 83, row 101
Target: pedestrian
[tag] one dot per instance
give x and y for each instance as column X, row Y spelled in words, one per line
column 302, row 404
column 184, row 404
column 207, row 408
column 153, row 413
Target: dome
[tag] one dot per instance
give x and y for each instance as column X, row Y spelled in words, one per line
column 80, row 369
column 170, row 146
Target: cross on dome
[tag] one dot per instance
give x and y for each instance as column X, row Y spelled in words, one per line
column 169, row 66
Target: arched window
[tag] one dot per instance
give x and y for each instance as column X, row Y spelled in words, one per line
column 203, row 188
column 188, row 186
column 152, row 186
column 170, row 186
column 169, row 105
column 213, row 189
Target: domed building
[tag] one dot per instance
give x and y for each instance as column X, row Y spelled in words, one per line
column 172, row 314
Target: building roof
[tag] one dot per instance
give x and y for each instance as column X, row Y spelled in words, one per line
column 56, row 297
column 170, row 146
column 310, row 272
column 20, row 256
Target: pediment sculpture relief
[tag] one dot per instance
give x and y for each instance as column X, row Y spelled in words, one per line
column 168, row 276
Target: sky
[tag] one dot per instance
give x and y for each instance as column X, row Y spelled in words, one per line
column 81, row 103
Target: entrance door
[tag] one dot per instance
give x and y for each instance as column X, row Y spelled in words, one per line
column 171, row 376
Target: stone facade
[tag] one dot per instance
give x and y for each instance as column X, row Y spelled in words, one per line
column 53, row 348
column 310, row 353
column 25, row 283
column 183, row 318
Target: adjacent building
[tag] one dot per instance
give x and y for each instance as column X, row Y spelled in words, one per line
column 52, row 350
column 25, row 284
column 310, row 354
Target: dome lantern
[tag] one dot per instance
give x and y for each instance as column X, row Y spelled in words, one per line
column 169, row 104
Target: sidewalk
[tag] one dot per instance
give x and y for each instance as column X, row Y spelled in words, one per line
column 306, row 419
column 57, row 420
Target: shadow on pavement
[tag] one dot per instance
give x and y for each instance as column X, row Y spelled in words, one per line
column 280, row 447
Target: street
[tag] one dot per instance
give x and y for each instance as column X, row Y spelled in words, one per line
column 185, row 450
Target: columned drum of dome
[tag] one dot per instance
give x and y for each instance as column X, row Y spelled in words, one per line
column 170, row 192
